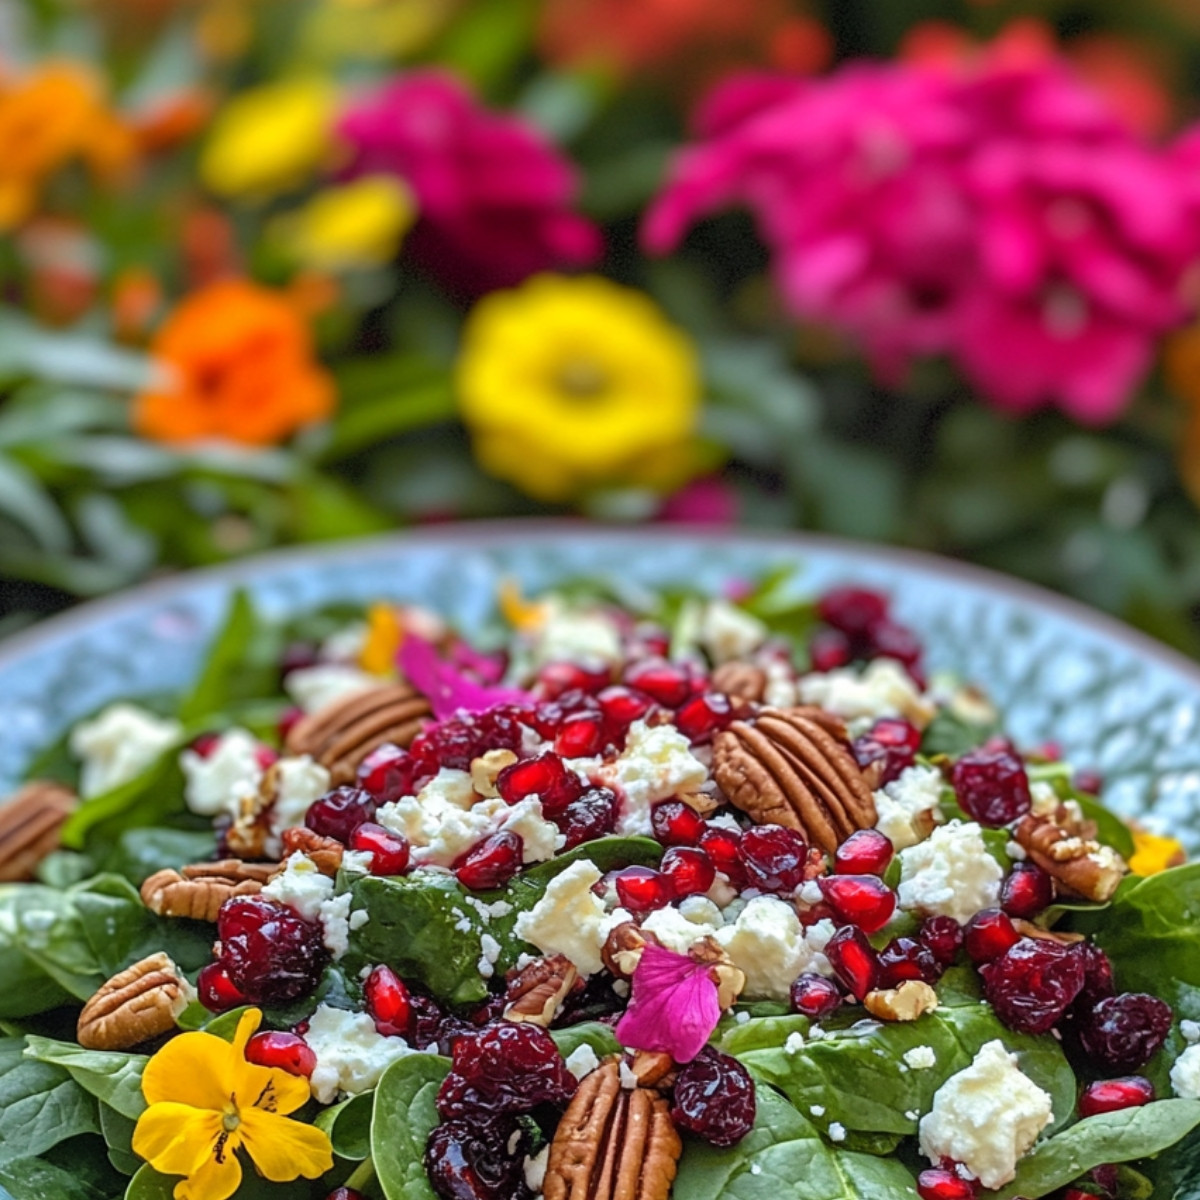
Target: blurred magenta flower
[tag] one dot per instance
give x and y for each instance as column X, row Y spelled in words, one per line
column 495, row 197
column 706, row 501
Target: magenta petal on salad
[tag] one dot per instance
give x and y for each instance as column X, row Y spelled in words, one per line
column 449, row 689
column 673, row 1007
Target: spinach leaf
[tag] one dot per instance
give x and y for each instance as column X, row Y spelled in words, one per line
column 118, row 1135
column 45, row 959
column 34, row 1179
column 405, row 1115
column 1177, row 1170
column 1112, row 1137
column 157, row 793
column 112, row 1076
column 954, row 736
column 586, row 1033
column 138, row 853
column 40, row 1105
column 349, row 1126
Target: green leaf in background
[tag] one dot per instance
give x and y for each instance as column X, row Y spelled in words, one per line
column 45, row 960
column 587, row 1033
column 34, row 1179
column 40, row 1105
column 405, row 1114
column 115, row 1077
column 140, row 852
column 154, row 795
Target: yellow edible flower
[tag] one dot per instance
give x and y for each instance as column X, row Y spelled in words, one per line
column 1153, row 854
column 359, row 224
column 269, row 138
column 567, row 384
column 207, row 1102
column 519, row 612
column 384, row 634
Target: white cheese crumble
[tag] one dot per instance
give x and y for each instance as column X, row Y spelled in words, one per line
column 582, row 1060
column 817, row 1110
column 312, row 688
column 1185, row 1074
column 794, row 1043
column 883, row 688
column 1044, row 799
column 728, row 632
column 351, row 1054
column 920, row 1058
column 574, row 635
column 781, row 690
column 568, row 917
column 950, row 874
column 628, row 1077
column 535, row 1170
column 310, row 894
column 907, row 808
column 769, row 944
column 489, row 952
column 118, row 744
column 837, row 1132
column 986, row 1117
column 1190, row 1030
column 359, row 862
column 335, row 921
column 657, row 763
column 220, row 780
column 298, row 782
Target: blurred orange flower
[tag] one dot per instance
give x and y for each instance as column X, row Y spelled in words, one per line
column 238, row 365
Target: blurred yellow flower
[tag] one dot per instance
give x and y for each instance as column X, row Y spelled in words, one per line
column 1153, row 854
column 359, row 224
column 269, row 138
column 567, row 384
column 374, row 29
column 384, row 634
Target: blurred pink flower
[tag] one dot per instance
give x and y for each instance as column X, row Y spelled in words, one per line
column 707, row 501
column 495, row 197
column 448, row 687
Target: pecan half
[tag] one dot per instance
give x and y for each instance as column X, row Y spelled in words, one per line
column 30, row 821
column 135, row 1005
column 535, row 994
column 326, row 852
column 741, row 679
column 340, row 735
column 613, row 1143
column 198, row 891
column 1079, row 865
column 795, row 767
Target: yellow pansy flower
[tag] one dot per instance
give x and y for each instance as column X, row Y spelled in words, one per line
column 206, row 1102
column 568, row 384
column 358, row 224
column 1153, row 854
column 378, row 654
column 269, row 138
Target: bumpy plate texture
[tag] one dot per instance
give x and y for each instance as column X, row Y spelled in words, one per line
column 1111, row 698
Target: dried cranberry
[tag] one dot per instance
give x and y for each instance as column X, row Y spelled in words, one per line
column 1031, row 985
column 852, row 610
column 388, row 773
column 989, row 934
column 345, row 1193
column 559, row 677
column 470, row 1160
column 1124, row 1032
column 389, row 851
column 668, row 683
column 285, row 1051
column 703, row 716
column 215, row 989
column 943, row 1184
column 853, row 960
column 642, row 889
column 690, row 871
column 905, row 958
column 774, row 857
column 1112, row 1095
column 1089, row 781
column 942, row 937
column 815, row 997
column 892, row 744
column 591, row 816
column 714, row 1098
column 677, row 824
column 271, row 954
column 829, row 649
column 721, row 843
column 1097, row 977
column 582, row 735
column 490, row 863
column 546, row 777
column 389, row 1002
column 888, row 639
column 622, row 706
column 991, row 784
column 340, row 812
column 863, row 900
column 1027, row 891
column 867, row 852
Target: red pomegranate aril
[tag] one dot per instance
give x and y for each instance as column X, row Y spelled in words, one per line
column 266, row 757
column 867, row 852
column 891, row 731
column 774, row 857
column 388, row 1002
column 853, row 960
column 829, row 649
column 1027, row 891
column 905, row 958
column 991, row 784
column 677, row 824
column 545, row 776
column 581, row 736
column 388, row 773
column 942, row 1184
column 491, row 863
column 1125, row 1031
column 389, row 851
column 690, row 871
column 720, row 843
column 340, row 812
column 852, row 610
column 989, row 934
column 863, row 900
column 1031, row 986
column 285, row 1051
column 216, row 990
column 622, row 705
column 203, row 744
column 815, row 997
column 593, row 815
column 663, row 681
column 942, row 937
column 1112, row 1095
column 1089, row 781
column 557, row 678
column 642, row 889
column 703, row 716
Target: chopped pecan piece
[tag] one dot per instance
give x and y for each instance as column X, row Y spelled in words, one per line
column 613, row 1143
column 904, row 1003
column 1029, row 929
column 326, row 852
column 795, row 767
column 198, row 891
column 486, row 768
column 135, row 1005
column 30, row 821
column 730, row 979
column 536, row 993
column 622, row 949
column 1079, row 864
column 741, row 679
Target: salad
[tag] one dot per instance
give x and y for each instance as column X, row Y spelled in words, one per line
column 629, row 897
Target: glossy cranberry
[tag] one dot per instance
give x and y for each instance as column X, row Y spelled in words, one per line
column 288, row 720
column 721, row 844
column 1112, row 1095
column 942, row 1184
column 592, row 816
column 906, row 958
column 340, row 812
column 815, row 997
column 546, row 777
column 470, row 1160
column 389, row 773
column 863, row 900
column 555, row 679
column 867, row 852
column 271, row 954
column 1027, row 891
column 690, row 871
column 1124, row 1032
column 622, row 706
column 1098, row 981
column 490, row 863
column 215, row 989
column 389, row 1002
column 677, row 824
column 942, row 937
column 853, row 960
column 773, row 857
column 888, row 639
column 829, row 649
column 714, row 1098
column 285, row 1051
column 642, row 889
column 1089, row 781
column 583, row 735
column 991, row 784
column 455, row 743
column 668, row 683
column 1032, row 984
column 345, row 1193
column 989, row 934
column 852, row 610
column 427, row 1020
column 892, row 744
column 389, row 851
column 703, row 716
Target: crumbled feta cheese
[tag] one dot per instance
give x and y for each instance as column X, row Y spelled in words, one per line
column 913, row 1114
column 951, row 874
column 312, row 688
column 575, row 635
column 301, row 887
column 986, row 1117
column 298, row 782
column 700, row 910
column 1044, row 799
column 535, row 1170
column 767, row 942
column 755, row 1168
column 219, row 781
column 1185, row 1074
column 490, row 949
column 810, row 892
column 883, row 688
column 118, row 744
column 539, row 837
column 742, row 1018
column 567, row 919
column 722, row 893
column 794, row 1043
column 335, row 921
column 907, row 808
column 358, row 919
column 837, row 1132
column 1190, row 1030
column 657, row 763
column 728, row 632
column 628, row 1077
column 675, row 932
column 781, row 690
column 1016, row 851
column 582, row 1060
column 920, row 1058
column 621, row 988
column 351, row 1055
column 817, row 1110
column 358, row 862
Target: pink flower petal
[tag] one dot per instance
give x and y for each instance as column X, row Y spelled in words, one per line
column 449, row 690
column 673, row 1008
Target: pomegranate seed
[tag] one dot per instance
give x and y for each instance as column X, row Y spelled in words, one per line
column 852, row 611
column 266, row 757
column 622, row 706
column 389, row 851
column 720, row 843
column 339, row 813
column 389, row 773
column 829, row 649
column 581, row 736
column 204, row 744
column 288, row 720
column 891, row 731
column 1087, row 780
column 663, row 681
column 690, row 871
column 905, row 958
column 677, row 824
column 388, row 1002
column 887, row 639
column 863, row 900
column 773, row 857
column 867, row 852
column 989, row 934
column 546, row 777
column 815, row 997
column 1112, row 1095
column 561, row 677
column 216, row 990
column 641, row 889
column 1027, row 891
column 1125, row 1031
column 991, row 784
column 653, row 641
column 703, row 716
column 853, row 960
column 942, row 937
column 1032, row 984
column 285, row 1051
column 593, row 815
column 490, row 863
column 941, row 1184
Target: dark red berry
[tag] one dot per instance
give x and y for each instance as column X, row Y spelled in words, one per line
column 297, row 656
column 271, row 954
column 582, row 735
column 1027, row 891
column 887, row 639
column 774, row 857
column 989, row 934
column 677, row 824
column 991, row 784
column 622, row 706
column 905, row 958
column 215, row 989
column 470, row 1160
column 890, row 743
column 703, row 716
column 829, row 649
column 288, row 720
column 852, row 610
column 555, row 679
column 203, row 744
column 389, row 851
column 591, row 816
column 1089, row 781
column 815, row 997
column 721, row 843
column 490, row 863
column 1124, row 1032
column 546, row 777
column 690, row 871
column 863, row 900
column 714, row 1098
column 853, row 960
column 1098, row 981
column 943, row 1184
column 389, row 773
column 339, row 813
column 389, row 1002
column 867, row 852
column 345, row 1193
column 942, row 937
column 1032, row 984
column 642, row 889
column 1112, row 1095
column 668, row 683
column 285, row 1051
